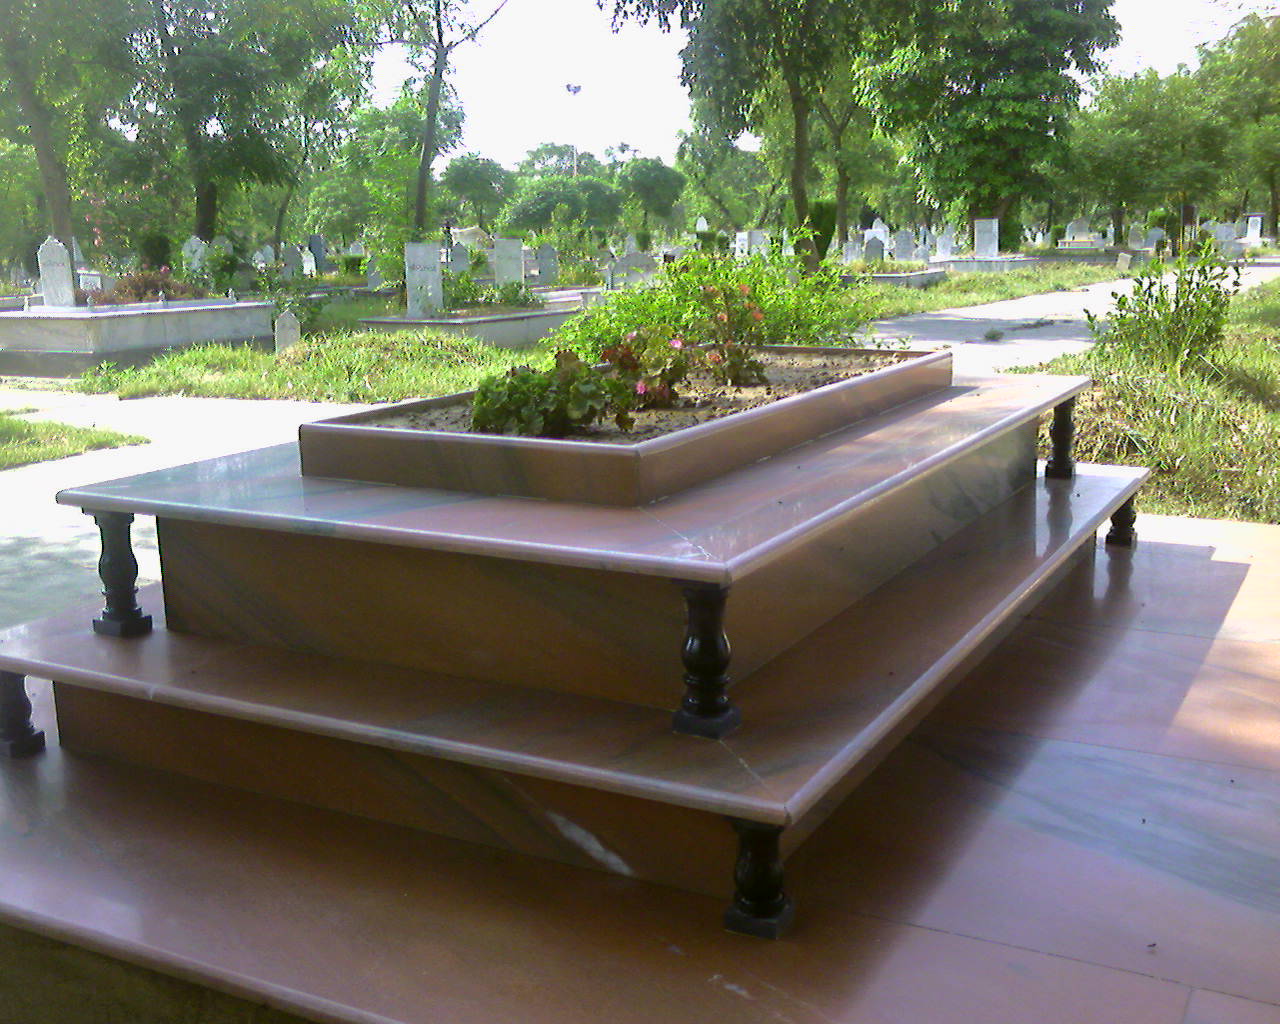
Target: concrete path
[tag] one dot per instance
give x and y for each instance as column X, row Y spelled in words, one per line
column 48, row 553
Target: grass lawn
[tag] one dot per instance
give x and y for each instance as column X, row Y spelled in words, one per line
column 23, row 442
column 1211, row 434
column 976, row 289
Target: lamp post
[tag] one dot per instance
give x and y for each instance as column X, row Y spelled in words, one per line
column 573, row 90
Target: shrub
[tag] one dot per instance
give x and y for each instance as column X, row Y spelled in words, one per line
column 1175, row 313
column 295, row 295
column 461, row 291
column 155, row 251
column 550, row 403
column 353, row 265
column 144, row 286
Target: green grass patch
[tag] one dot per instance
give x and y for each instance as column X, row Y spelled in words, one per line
column 23, row 442
column 976, row 289
column 1210, row 433
column 369, row 366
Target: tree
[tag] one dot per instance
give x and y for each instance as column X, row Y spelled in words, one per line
column 735, row 46
column 207, row 72
column 478, row 182
column 58, row 72
column 654, row 185
column 991, row 96
column 1242, row 74
column 431, row 30
column 562, row 159
column 540, row 202
column 733, row 181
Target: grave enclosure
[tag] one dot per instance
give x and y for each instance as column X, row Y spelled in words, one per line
column 616, row 678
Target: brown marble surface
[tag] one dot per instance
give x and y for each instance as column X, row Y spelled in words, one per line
column 805, row 729
column 991, row 870
column 715, row 532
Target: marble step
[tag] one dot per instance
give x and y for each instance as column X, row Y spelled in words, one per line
column 814, row 714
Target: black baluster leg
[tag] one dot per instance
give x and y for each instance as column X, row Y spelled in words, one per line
column 119, row 571
column 760, row 904
column 705, row 710
column 18, row 736
column 1062, row 433
column 1122, row 534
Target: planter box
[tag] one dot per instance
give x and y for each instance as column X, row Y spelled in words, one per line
column 508, row 330
column 353, row 447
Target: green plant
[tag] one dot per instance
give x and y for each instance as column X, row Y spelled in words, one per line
column 294, row 295
column 353, row 265
column 1176, row 313
column 653, row 365
column 461, row 290
column 155, row 251
column 735, row 326
column 145, row 286
column 550, row 403
column 516, row 293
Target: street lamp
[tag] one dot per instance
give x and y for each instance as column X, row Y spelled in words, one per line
column 573, row 90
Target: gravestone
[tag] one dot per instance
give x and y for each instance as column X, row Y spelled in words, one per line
column 508, row 261
column 319, row 250
column 630, row 247
column 195, row 252
column 372, row 275
column 1123, row 262
column 852, row 251
column 1233, row 249
column 1152, row 237
column 1078, row 228
column 881, row 231
column 1253, row 228
column 947, row 243
column 701, row 226
column 222, row 244
column 459, row 258
column 57, row 283
column 1109, row 236
column 921, row 254
column 788, row 247
column 548, row 263
column 357, row 248
column 308, row 263
column 742, row 244
column 77, row 254
column 986, row 238
column 264, row 256
column 1223, row 233
column 903, row 244
column 1239, row 228
column 873, row 250
column 291, row 262
column 1040, row 241
column 1135, row 237
column 288, row 331
column 423, row 281
column 632, row 269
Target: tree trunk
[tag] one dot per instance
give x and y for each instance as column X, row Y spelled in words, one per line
column 277, row 238
column 1273, row 192
column 800, row 156
column 842, row 205
column 1117, row 223
column 39, row 121
column 206, row 208
column 430, row 133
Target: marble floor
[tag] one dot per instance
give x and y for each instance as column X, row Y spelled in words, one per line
column 1086, row 831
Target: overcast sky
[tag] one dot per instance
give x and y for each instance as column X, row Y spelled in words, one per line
column 512, row 83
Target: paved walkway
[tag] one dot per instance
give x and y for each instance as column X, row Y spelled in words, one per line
column 48, row 553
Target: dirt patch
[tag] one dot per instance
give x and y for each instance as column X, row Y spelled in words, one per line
column 701, row 398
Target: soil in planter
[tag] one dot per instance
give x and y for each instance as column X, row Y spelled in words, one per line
column 701, row 397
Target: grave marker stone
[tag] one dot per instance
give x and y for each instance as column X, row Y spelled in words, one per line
column 372, row 275
column 548, row 263
column 1135, row 237
column 881, row 230
column 921, row 254
column 56, row 281
column 1233, row 249
column 195, row 253
column 222, row 244
column 291, row 262
column 319, row 250
column 986, row 238
column 77, row 254
column 423, row 281
column 459, row 258
column 508, row 261
column 308, row 263
column 903, row 244
column 1078, row 228
column 631, row 269
column 701, row 226
column 852, row 251
column 288, row 331
column 947, row 243
column 873, row 251
column 1152, row 237
column 1124, row 261
column 1253, row 228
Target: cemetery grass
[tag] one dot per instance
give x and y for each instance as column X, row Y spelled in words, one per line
column 334, row 366
column 23, row 442
column 1210, row 435
column 976, row 289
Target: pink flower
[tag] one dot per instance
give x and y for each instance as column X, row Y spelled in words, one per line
column 632, row 336
column 756, row 315
column 677, row 342
column 641, row 387
column 723, row 317
column 713, row 357
column 745, row 289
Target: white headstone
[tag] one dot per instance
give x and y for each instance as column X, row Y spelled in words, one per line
column 1223, row 233
column 921, row 254
column 548, row 263
column 1124, row 261
column 194, row 253
column 288, row 331
column 852, row 251
column 788, row 247
column 742, row 244
column 291, row 260
column 1253, row 228
column 308, row 263
column 423, row 281
column 757, row 240
column 947, row 243
column 1078, row 228
column 880, row 230
column 702, row 226
column 508, row 261
column 986, row 238
column 56, row 281
column 357, row 248
column 1109, row 236
column 1135, row 237
column 873, row 251
column 630, row 247
column 903, row 245
column 1040, row 241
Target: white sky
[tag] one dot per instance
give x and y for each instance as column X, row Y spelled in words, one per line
column 512, row 82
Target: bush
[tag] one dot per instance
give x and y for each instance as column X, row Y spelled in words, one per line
column 1175, row 313
column 353, row 265
column 144, row 286
column 155, row 251
column 294, row 295
column 795, row 308
column 550, row 403
column 461, row 291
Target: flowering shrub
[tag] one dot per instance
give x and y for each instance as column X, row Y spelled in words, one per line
column 653, row 365
column 551, row 403
column 144, row 286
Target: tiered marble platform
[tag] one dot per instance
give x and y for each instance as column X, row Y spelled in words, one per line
column 505, row 671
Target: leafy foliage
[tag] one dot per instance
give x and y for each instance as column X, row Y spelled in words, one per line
column 549, row 403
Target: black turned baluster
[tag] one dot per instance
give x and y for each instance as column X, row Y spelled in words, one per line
column 1062, row 432
column 1122, row 533
column 119, row 571
column 760, row 904
column 705, row 710
column 18, row 736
